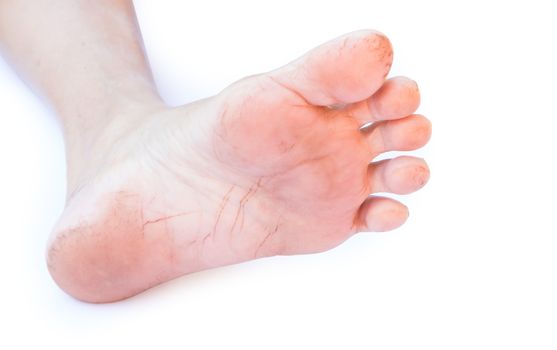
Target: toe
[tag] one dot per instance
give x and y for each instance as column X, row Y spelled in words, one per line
column 400, row 175
column 379, row 214
column 397, row 98
column 345, row 70
column 404, row 134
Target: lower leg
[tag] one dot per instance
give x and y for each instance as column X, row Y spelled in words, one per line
column 87, row 59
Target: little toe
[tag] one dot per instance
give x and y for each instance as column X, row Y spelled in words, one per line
column 406, row 134
column 345, row 70
column 397, row 98
column 378, row 214
column 401, row 175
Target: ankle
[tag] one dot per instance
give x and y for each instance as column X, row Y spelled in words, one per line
column 90, row 146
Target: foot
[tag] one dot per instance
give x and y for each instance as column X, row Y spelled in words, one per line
column 277, row 163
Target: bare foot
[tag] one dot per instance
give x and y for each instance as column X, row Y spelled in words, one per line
column 275, row 164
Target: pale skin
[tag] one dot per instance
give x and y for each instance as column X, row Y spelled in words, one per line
column 278, row 163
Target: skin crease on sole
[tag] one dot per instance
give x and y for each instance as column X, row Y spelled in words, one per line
column 278, row 163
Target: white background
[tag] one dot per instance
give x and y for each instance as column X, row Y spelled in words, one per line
column 475, row 267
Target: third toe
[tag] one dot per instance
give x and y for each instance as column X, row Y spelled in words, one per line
column 401, row 175
column 406, row 134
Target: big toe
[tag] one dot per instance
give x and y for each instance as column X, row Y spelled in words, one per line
column 345, row 70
